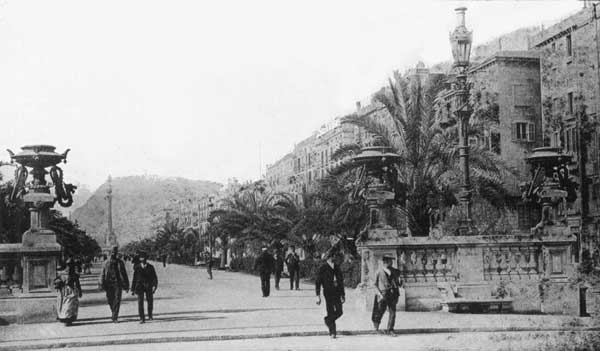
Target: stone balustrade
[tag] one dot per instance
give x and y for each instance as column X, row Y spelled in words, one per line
column 427, row 264
column 512, row 262
column 11, row 271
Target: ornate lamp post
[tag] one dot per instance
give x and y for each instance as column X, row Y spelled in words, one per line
column 210, row 242
column 461, row 39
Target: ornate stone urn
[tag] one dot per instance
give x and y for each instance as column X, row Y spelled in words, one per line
column 549, row 187
column 376, row 181
column 40, row 250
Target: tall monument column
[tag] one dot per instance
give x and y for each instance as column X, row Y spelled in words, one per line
column 110, row 239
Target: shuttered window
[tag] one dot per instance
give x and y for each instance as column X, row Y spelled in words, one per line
column 523, row 131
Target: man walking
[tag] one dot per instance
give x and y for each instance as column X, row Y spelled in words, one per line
column 278, row 260
column 144, row 282
column 293, row 265
column 209, row 263
column 114, row 280
column 164, row 259
column 387, row 285
column 264, row 265
column 331, row 279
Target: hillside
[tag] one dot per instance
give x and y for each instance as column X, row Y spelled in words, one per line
column 138, row 203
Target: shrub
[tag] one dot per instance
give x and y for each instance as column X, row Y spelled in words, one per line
column 243, row 264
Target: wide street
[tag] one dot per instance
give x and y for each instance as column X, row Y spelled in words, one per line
column 191, row 308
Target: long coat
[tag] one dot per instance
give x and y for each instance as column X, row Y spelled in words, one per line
column 144, row 278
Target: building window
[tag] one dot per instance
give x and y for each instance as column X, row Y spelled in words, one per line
column 495, row 142
column 523, row 131
column 569, row 45
column 570, row 102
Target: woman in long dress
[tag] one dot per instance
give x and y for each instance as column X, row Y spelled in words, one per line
column 69, row 292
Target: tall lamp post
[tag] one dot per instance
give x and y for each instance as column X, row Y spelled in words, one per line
column 210, row 242
column 461, row 39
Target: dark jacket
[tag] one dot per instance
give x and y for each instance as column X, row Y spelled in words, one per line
column 331, row 279
column 264, row 263
column 114, row 274
column 278, row 264
column 144, row 279
column 293, row 261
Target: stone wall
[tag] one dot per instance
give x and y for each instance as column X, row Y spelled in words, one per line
column 538, row 274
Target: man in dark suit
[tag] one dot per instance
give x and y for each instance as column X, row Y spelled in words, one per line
column 264, row 265
column 113, row 280
column 293, row 265
column 330, row 278
column 144, row 282
column 387, row 289
column 278, row 260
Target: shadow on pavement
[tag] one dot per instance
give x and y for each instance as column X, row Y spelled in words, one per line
column 130, row 319
column 101, row 299
column 165, row 314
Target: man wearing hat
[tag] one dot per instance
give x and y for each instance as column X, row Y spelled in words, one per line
column 331, row 279
column 293, row 265
column 264, row 265
column 387, row 285
column 144, row 282
column 113, row 280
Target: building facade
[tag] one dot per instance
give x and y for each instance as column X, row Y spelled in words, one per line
column 570, row 94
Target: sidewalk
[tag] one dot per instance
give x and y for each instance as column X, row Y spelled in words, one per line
column 189, row 307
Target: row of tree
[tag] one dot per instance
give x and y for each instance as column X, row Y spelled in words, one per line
column 428, row 179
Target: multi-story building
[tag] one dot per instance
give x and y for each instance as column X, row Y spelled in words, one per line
column 570, row 94
column 311, row 159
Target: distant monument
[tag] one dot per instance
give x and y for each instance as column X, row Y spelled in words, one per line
column 110, row 237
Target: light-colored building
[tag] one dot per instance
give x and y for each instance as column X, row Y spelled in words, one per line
column 570, row 81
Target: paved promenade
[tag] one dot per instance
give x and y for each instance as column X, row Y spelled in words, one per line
column 189, row 307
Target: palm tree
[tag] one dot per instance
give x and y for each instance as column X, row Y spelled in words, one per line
column 429, row 160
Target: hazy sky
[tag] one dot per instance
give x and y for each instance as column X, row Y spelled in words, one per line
column 191, row 88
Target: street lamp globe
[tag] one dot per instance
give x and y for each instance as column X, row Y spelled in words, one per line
column 461, row 39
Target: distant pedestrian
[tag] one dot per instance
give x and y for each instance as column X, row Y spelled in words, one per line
column 264, row 265
column 330, row 278
column 293, row 265
column 278, row 261
column 113, row 280
column 145, row 283
column 387, row 289
column 209, row 264
column 87, row 267
column 69, row 292
column 164, row 259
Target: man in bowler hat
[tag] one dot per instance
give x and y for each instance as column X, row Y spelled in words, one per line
column 145, row 283
column 264, row 265
column 113, row 280
column 330, row 278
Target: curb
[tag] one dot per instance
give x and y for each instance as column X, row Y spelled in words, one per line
column 172, row 339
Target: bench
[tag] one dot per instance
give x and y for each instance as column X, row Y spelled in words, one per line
column 452, row 302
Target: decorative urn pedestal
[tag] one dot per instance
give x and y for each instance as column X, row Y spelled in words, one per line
column 377, row 177
column 533, row 269
column 32, row 299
